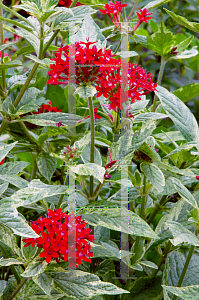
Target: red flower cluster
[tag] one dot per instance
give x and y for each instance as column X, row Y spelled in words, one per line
column 197, row 177
column 173, row 51
column 67, row 3
column 57, row 238
column 47, row 108
column 113, row 9
column 142, row 17
column 102, row 69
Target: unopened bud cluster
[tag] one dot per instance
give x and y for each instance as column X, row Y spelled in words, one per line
column 70, row 153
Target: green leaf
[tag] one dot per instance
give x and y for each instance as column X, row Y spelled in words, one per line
column 187, row 146
column 181, row 234
column 184, row 192
column 111, row 218
column 186, row 293
column 125, row 54
column 162, row 41
column 11, row 64
column 7, row 106
column 4, row 150
column 179, row 114
column 141, row 135
column 44, row 282
column 3, row 188
column 18, row 24
column 186, row 54
column 3, row 285
column 31, row 8
column 183, row 21
column 89, row 29
column 50, row 119
column 46, row 164
column 36, row 191
column 9, row 239
column 138, row 106
column 146, row 288
column 23, row 50
column 149, row 115
column 108, row 249
column 28, row 252
column 149, row 264
column 35, row 267
column 85, row 91
column 9, row 217
column 174, row 265
column 154, row 175
column 10, row 261
column 89, row 169
column 7, row 45
column 46, row 62
column 82, row 285
column 104, row 267
column 187, row 92
column 155, row 3
column 85, row 155
column 184, row 44
column 141, row 39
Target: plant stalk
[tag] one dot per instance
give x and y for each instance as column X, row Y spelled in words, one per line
column 186, row 265
column 34, row 169
column 132, row 10
column 162, row 259
column 3, row 72
column 156, row 209
column 162, row 66
column 62, row 196
column 142, row 214
column 18, row 288
column 92, row 146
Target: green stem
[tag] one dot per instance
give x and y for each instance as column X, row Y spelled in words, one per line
column 162, row 259
column 25, row 86
column 18, row 288
column 92, row 146
column 62, row 196
column 29, row 136
column 50, row 41
column 132, row 10
column 73, row 4
column 142, row 214
column 2, row 52
column 186, row 265
column 34, row 168
column 162, row 66
column 118, row 46
column 41, row 46
column 157, row 209
column 14, row 271
column 144, row 200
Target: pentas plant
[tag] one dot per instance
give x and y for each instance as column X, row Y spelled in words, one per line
column 103, row 71
column 57, row 238
column 113, row 10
